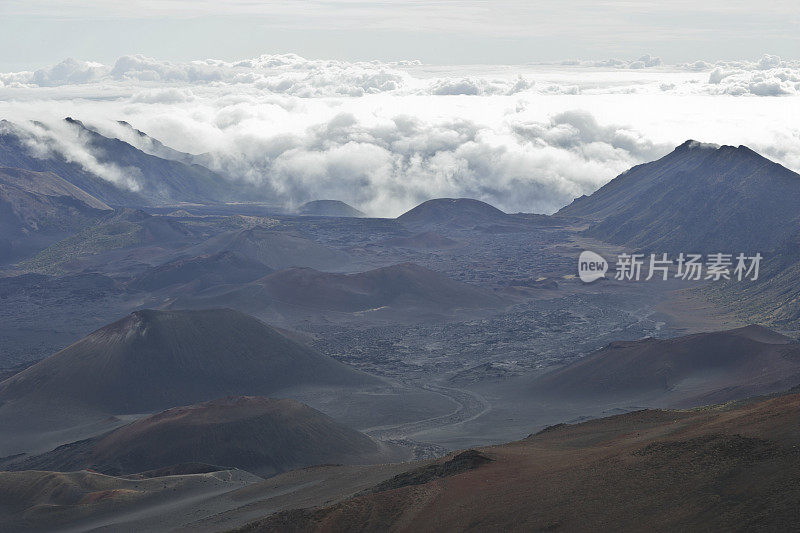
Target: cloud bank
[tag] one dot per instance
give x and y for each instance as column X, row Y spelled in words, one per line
column 384, row 136
column 293, row 75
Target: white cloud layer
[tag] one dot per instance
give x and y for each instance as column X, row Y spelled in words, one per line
column 293, row 75
column 385, row 136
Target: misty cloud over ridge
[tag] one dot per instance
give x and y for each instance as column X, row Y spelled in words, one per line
column 384, row 136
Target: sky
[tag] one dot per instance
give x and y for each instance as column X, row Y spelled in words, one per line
column 42, row 32
column 387, row 104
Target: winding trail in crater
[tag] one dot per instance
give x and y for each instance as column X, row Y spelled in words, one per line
column 470, row 407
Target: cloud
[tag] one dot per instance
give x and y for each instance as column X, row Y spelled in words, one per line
column 578, row 131
column 479, row 86
column 769, row 76
column 389, row 166
column 290, row 74
column 385, row 136
column 645, row 61
column 142, row 68
column 68, row 72
column 171, row 95
column 61, row 139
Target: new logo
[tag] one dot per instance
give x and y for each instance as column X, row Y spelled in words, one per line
column 591, row 266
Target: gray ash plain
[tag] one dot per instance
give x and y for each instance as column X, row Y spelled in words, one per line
column 464, row 362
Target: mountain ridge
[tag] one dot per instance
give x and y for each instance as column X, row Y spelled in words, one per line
column 160, row 181
column 16, row 151
column 39, row 208
column 697, row 198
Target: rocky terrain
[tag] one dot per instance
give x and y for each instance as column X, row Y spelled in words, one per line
column 270, row 364
column 729, row 467
column 153, row 360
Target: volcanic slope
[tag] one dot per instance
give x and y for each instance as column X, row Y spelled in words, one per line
column 154, row 360
column 454, row 212
column 329, row 208
column 398, row 289
column 261, row 435
column 727, row 468
column 16, row 150
column 773, row 298
column 157, row 180
column 57, row 501
column 684, row 371
column 117, row 230
column 276, row 249
column 698, row 198
column 38, row 208
column 203, row 271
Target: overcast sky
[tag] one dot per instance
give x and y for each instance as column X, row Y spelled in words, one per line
column 35, row 33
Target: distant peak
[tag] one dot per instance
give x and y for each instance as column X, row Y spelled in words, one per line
column 76, row 122
column 746, row 149
column 128, row 126
column 329, row 208
column 691, row 144
column 131, row 214
column 760, row 333
column 148, row 317
column 440, row 210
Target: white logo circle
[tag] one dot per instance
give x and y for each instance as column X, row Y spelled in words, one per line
column 591, row 266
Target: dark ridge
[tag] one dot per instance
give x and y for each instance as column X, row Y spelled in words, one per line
column 181, row 469
column 461, row 462
column 708, row 449
column 548, row 429
column 300, row 520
